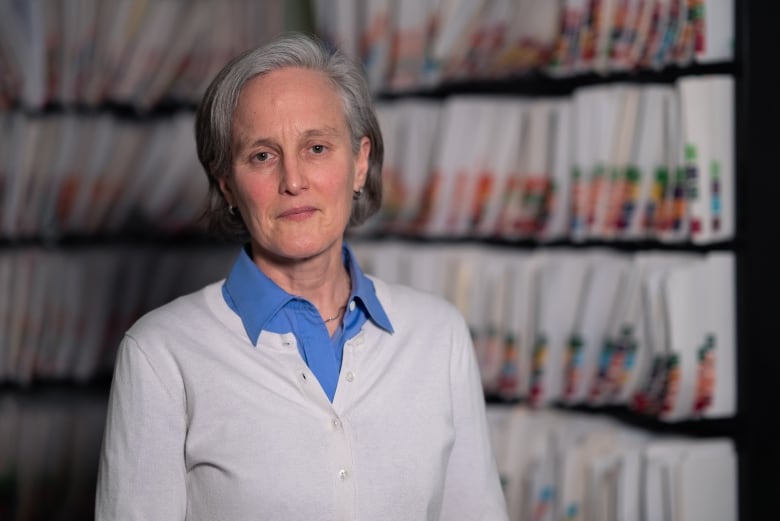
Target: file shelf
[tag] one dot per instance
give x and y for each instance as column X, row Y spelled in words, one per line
column 756, row 282
column 752, row 245
column 88, row 241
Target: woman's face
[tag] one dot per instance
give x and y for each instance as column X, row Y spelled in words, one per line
column 294, row 171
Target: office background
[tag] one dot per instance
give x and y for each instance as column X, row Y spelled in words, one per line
column 100, row 191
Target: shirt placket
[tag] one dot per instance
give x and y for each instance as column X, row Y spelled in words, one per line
column 342, row 453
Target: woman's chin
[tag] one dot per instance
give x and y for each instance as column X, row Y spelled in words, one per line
column 299, row 250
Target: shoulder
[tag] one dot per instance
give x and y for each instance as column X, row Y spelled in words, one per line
column 404, row 304
column 182, row 316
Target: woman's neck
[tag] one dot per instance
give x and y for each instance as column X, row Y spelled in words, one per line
column 324, row 281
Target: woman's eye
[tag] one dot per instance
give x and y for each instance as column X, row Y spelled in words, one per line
column 318, row 149
column 262, row 156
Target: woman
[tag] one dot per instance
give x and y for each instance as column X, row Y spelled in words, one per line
column 298, row 388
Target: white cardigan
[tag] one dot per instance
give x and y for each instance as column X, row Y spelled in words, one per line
column 202, row 425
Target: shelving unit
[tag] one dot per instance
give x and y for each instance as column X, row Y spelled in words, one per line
column 753, row 429
column 51, row 426
column 754, row 435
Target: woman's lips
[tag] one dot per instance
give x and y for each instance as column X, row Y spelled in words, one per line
column 297, row 214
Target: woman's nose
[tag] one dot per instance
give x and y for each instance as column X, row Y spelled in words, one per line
column 293, row 178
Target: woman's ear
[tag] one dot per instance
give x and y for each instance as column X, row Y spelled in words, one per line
column 227, row 192
column 361, row 164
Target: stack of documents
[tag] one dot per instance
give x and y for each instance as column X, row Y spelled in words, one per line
column 650, row 331
column 417, row 44
column 68, row 174
column 567, row 466
column 134, row 52
column 49, row 451
column 615, row 162
column 62, row 313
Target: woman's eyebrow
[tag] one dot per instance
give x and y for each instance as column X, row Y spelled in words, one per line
column 246, row 143
column 321, row 132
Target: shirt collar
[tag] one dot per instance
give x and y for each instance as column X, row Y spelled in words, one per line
column 246, row 282
column 363, row 291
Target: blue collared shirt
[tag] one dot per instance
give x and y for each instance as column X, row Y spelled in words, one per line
column 263, row 305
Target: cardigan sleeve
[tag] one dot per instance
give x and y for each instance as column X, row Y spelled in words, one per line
column 142, row 473
column 472, row 486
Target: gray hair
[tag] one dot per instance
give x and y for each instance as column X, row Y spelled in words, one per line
column 214, row 117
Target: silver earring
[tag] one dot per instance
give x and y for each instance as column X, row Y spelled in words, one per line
column 231, row 210
column 357, row 193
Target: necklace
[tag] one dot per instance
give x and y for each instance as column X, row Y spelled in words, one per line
column 342, row 308
column 337, row 315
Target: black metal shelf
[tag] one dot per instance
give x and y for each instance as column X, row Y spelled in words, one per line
column 98, row 385
column 695, row 428
column 535, row 244
column 151, row 238
column 120, row 110
column 536, row 83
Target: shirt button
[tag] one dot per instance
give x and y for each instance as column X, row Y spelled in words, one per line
column 352, row 306
column 350, row 376
column 343, row 474
column 336, row 423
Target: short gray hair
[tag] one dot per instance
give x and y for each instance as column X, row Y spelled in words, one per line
column 213, row 120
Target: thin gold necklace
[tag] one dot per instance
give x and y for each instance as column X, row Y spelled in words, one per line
column 342, row 308
column 337, row 315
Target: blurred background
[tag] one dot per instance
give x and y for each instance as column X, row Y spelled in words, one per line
column 582, row 179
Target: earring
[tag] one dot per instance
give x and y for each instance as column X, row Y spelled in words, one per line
column 231, row 210
column 357, row 193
